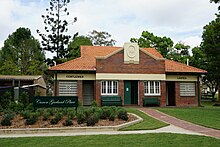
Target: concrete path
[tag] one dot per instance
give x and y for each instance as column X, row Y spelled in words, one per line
column 181, row 123
column 167, row 129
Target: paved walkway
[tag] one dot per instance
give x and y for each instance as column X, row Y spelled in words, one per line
column 167, row 129
column 181, row 123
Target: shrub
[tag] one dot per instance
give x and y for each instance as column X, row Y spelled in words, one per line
column 71, row 114
column 5, row 100
column 24, row 98
column 30, row 107
column 59, row 116
column 80, row 117
column 105, row 112
column 91, row 120
column 68, row 122
column 94, row 104
column 112, row 117
column 54, row 121
column 25, row 114
column 46, row 115
column 6, row 121
column 122, row 114
column 30, row 121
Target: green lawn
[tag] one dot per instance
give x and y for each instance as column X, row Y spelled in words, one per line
column 162, row 139
column 208, row 115
column 148, row 122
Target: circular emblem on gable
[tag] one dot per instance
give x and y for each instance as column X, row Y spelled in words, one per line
column 131, row 51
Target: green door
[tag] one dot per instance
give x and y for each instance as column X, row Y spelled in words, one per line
column 127, row 92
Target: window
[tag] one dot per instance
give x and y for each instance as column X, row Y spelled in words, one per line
column 109, row 88
column 187, row 89
column 152, row 88
column 68, row 88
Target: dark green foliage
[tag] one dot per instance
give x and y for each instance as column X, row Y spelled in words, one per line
column 21, row 54
column 68, row 122
column 46, row 115
column 54, row 121
column 55, row 38
column 80, row 117
column 16, row 107
column 5, row 100
column 101, row 38
column 26, row 114
column 112, row 117
column 6, row 121
column 24, row 99
column 91, row 120
column 122, row 114
column 94, row 104
column 30, row 121
column 74, row 46
column 105, row 112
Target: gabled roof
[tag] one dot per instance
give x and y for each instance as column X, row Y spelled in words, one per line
column 87, row 61
column 18, row 77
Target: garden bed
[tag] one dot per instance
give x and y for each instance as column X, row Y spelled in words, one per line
column 44, row 118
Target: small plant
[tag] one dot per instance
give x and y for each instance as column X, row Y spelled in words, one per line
column 24, row 98
column 6, row 121
column 25, row 114
column 30, row 121
column 68, row 122
column 46, row 115
column 5, row 99
column 112, row 117
column 71, row 114
column 122, row 114
column 91, row 120
column 54, row 121
column 105, row 112
column 94, row 104
column 80, row 117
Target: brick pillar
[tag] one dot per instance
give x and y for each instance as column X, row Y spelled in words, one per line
column 98, row 92
column 80, row 91
column 177, row 93
column 141, row 92
column 121, row 90
column 163, row 94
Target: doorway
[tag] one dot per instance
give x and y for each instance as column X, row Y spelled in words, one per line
column 88, row 92
column 130, row 92
column 171, row 98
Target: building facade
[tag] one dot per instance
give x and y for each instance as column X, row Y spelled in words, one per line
column 129, row 72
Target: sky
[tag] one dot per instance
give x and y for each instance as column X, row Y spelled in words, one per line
column 181, row 20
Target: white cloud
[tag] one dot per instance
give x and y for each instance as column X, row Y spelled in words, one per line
column 182, row 20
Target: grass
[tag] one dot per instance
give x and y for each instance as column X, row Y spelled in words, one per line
column 208, row 116
column 148, row 122
column 162, row 139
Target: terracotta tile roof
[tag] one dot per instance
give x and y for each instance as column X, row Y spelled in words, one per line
column 172, row 66
column 87, row 61
column 153, row 52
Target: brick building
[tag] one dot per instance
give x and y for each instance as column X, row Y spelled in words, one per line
column 129, row 72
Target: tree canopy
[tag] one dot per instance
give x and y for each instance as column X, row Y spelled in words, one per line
column 101, row 38
column 74, row 46
column 147, row 39
column 21, row 54
column 55, row 39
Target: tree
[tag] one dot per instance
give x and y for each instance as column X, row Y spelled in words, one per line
column 101, row 38
column 211, row 48
column 55, row 39
column 147, row 39
column 74, row 46
column 179, row 53
column 21, row 54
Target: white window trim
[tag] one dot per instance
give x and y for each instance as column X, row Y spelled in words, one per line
column 106, row 87
column 152, row 94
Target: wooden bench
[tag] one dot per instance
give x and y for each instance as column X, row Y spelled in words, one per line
column 151, row 101
column 111, row 101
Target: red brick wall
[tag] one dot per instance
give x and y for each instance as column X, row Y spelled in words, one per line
column 115, row 64
column 98, row 92
column 162, row 96
column 80, row 91
column 185, row 101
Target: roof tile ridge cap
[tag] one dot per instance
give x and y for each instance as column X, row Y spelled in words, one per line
column 153, row 56
column 187, row 65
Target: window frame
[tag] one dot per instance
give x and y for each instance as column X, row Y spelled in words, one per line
column 187, row 89
column 107, row 89
column 68, row 88
column 148, row 88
